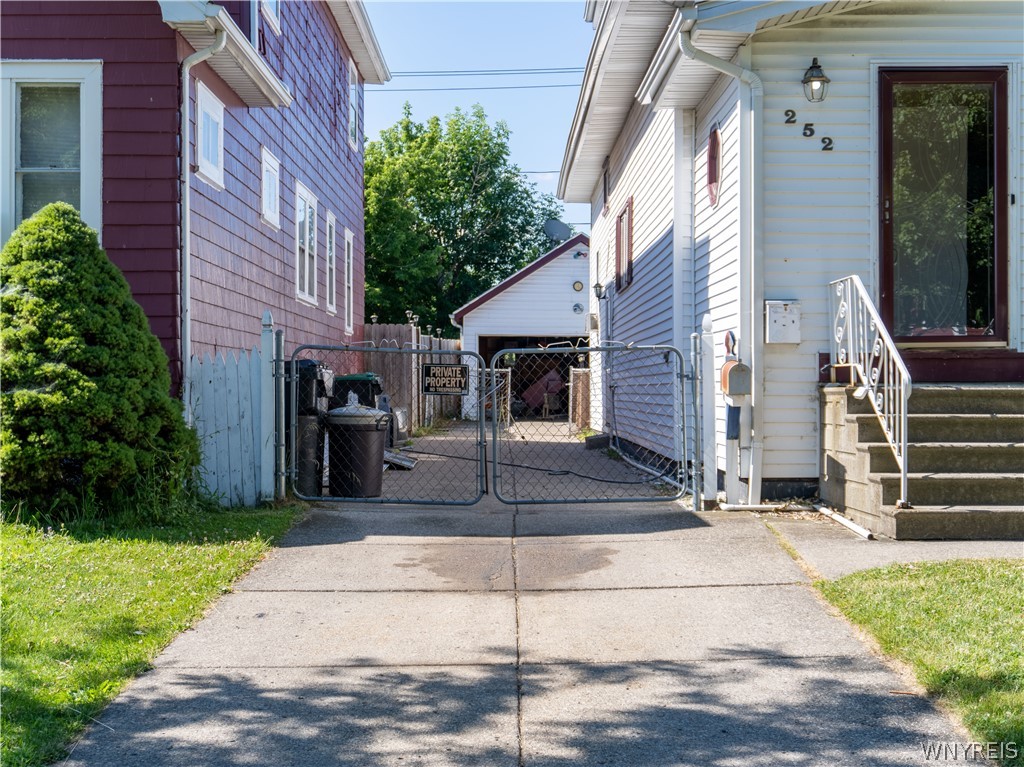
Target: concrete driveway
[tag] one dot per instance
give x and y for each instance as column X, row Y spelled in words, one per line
column 534, row 636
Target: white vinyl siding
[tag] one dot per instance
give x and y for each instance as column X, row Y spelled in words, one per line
column 821, row 207
column 305, row 244
column 717, row 230
column 270, row 189
column 52, row 114
column 209, row 136
column 332, row 263
column 350, row 282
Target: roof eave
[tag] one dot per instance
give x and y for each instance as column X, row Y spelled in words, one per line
column 355, row 26
column 199, row 22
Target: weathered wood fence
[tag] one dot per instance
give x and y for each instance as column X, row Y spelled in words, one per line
column 233, row 412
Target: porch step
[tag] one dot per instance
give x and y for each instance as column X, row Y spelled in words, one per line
column 950, row 456
column 965, row 454
column 940, row 427
column 966, row 522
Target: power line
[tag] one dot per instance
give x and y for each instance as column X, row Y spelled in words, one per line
column 485, row 72
column 472, row 88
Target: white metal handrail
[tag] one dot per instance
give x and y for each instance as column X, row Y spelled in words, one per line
column 859, row 340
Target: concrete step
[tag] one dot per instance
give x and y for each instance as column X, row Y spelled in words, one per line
column 935, row 489
column 979, row 457
column 946, row 427
column 967, row 398
column 963, row 523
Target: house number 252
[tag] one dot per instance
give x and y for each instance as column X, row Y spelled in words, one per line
column 827, row 144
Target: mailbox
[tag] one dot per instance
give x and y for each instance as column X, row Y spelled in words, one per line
column 736, row 379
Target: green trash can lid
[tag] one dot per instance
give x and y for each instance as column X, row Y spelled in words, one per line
column 358, row 377
column 355, row 415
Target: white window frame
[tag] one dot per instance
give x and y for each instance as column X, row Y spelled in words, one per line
column 350, row 248
column 207, row 103
column 302, row 292
column 88, row 74
column 353, row 105
column 331, row 248
column 270, row 190
column 272, row 16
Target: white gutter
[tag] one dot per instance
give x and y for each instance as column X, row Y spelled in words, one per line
column 185, row 261
column 751, row 264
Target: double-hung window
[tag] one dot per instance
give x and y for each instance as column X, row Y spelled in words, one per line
column 272, row 13
column 332, row 271
column 305, row 244
column 270, row 190
column 350, row 314
column 353, row 105
column 209, row 136
column 52, row 112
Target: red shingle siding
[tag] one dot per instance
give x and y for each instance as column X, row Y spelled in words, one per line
column 140, row 127
column 241, row 265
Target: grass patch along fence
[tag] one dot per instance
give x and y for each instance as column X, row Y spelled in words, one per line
column 960, row 626
column 85, row 609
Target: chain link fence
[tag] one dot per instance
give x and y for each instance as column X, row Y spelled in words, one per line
column 588, row 425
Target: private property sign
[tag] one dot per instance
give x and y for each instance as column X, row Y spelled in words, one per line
column 445, row 379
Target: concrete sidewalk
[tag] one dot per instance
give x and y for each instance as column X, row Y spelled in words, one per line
column 538, row 636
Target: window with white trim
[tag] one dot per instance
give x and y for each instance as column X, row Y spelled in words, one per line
column 350, row 314
column 332, row 270
column 270, row 189
column 52, row 112
column 353, row 105
column 209, row 136
column 272, row 13
column 305, row 244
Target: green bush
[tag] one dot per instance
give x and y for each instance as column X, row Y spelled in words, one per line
column 86, row 416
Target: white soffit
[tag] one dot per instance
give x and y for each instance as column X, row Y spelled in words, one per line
column 355, row 27
column 239, row 64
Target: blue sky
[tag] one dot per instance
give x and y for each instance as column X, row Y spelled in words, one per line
column 431, row 36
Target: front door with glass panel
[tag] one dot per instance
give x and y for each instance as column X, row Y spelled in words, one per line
column 944, row 265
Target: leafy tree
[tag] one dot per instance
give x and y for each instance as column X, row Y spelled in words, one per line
column 447, row 216
column 85, row 411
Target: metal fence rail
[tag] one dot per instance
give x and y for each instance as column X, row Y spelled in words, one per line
column 380, row 438
column 620, row 439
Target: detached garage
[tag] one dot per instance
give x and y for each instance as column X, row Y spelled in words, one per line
column 544, row 303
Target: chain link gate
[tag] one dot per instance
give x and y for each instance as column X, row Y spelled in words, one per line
column 376, row 424
column 589, row 425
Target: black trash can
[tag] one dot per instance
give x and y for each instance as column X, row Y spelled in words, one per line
column 309, row 456
column 355, row 448
column 366, row 387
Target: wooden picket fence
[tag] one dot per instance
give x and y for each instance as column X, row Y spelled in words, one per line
column 233, row 412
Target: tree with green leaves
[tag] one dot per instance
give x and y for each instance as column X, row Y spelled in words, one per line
column 447, row 216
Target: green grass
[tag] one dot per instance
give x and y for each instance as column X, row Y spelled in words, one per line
column 86, row 609
column 960, row 626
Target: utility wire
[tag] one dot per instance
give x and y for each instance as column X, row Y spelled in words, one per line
column 486, row 72
column 473, row 88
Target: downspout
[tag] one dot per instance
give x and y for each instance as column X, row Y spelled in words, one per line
column 185, row 262
column 751, row 266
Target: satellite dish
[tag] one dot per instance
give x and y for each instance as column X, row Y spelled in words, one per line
column 556, row 230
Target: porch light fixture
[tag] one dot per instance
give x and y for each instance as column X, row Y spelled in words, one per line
column 599, row 291
column 815, row 82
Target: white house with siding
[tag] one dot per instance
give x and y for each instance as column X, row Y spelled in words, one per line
column 546, row 302
column 719, row 189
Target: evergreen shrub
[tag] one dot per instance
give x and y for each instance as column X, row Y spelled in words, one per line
column 86, row 416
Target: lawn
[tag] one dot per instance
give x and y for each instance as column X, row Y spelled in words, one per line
column 960, row 626
column 85, row 611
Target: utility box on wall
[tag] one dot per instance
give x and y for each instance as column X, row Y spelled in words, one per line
column 782, row 322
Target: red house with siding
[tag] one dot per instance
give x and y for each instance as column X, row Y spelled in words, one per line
column 263, row 210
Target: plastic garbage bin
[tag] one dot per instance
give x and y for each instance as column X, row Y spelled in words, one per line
column 366, row 386
column 309, row 455
column 355, row 450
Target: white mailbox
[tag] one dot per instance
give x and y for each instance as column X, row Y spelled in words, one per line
column 782, row 322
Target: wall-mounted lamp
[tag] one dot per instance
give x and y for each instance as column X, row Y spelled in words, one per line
column 599, row 291
column 815, row 83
